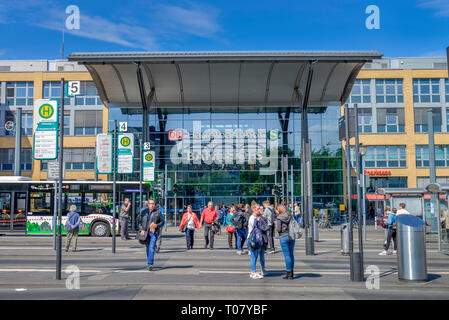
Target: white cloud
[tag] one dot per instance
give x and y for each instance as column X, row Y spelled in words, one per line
column 196, row 20
column 440, row 6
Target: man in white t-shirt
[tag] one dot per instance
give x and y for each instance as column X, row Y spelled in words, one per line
column 402, row 209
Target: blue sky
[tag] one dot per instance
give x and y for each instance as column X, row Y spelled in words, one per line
column 32, row 29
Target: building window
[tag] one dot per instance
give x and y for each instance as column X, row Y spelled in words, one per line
column 79, row 159
column 76, row 159
column 27, row 124
column 426, row 90
column 421, row 122
column 423, row 182
column 390, row 120
column 66, row 123
column 446, row 90
column 361, row 92
column 389, row 91
column 365, row 118
column 88, row 96
column 382, row 157
column 52, row 90
column 386, row 182
column 7, row 159
column 19, row 93
column 441, row 156
column 88, row 123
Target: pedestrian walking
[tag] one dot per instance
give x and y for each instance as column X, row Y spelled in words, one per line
column 270, row 215
column 152, row 222
column 240, row 225
column 230, row 229
column 257, row 246
column 159, row 236
column 391, row 227
column 124, row 219
column 72, row 227
column 282, row 222
column 188, row 223
column 208, row 216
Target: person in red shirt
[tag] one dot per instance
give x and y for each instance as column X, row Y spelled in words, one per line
column 190, row 220
column 208, row 216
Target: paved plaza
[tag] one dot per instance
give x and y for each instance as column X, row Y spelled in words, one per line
column 27, row 271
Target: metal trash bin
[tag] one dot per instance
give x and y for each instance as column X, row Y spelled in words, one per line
column 345, row 238
column 412, row 262
column 315, row 229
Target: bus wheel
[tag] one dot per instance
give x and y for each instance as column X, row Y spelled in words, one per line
column 100, row 229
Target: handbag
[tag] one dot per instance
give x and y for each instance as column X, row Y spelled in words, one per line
column 230, row 229
column 184, row 228
column 142, row 239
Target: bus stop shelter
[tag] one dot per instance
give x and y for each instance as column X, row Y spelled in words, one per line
column 442, row 190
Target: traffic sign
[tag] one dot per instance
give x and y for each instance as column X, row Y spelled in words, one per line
column 148, row 164
column 123, row 126
column 146, row 146
column 125, row 153
column 45, row 110
column 104, row 153
column 45, row 141
column 73, row 88
column 53, row 170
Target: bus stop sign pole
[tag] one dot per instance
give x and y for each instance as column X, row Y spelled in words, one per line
column 60, row 158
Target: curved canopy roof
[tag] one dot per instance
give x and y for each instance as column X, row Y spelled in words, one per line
column 225, row 78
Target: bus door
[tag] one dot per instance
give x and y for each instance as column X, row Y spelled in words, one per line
column 20, row 211
column 40, row 214
column 5, row 211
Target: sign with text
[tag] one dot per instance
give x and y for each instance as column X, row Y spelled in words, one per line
column 53, row 170
column 148, row 165
column 125, row 153
column 104, row 153
column 73, row 88
column 45, row 141
column 45, row 110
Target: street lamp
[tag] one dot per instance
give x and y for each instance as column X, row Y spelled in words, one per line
column 363, row 150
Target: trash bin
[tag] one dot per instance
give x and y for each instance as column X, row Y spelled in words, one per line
column 412, row 264
column 315, row 229
column 345, row 238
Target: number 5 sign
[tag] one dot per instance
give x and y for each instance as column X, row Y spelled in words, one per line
column 73, row 88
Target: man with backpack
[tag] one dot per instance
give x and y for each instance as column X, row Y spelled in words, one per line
column 391, row 227
column 269, row 214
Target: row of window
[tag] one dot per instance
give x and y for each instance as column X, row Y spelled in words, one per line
column 391, row 120
column 21, row 93
column 391, row 91
column 395, row 156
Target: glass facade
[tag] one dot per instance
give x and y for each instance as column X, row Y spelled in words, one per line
column 232, row 154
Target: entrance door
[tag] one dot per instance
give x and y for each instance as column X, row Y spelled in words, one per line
column 20, row 210
column 5, row 211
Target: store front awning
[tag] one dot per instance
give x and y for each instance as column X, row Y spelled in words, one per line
column 189, row 79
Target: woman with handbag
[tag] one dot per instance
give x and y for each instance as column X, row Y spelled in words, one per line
column 188, row 224
column 230, row 229
column 282, row 223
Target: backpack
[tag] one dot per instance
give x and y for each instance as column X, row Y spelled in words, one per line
column 383, row 223
column 256, row 240
column 294, row 231
column 263, row 224
column 238, row 220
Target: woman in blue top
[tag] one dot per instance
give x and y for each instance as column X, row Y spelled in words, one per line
column 391, row 227
column 229, row 223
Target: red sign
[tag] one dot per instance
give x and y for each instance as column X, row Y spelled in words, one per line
column 378, row 172
column 174, row 135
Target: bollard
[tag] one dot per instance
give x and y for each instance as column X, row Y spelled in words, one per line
column 411, row 255
column 345, row 238
column 315, row 230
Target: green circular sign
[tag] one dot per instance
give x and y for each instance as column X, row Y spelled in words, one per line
column 125, row 141
column 46, row 111
column 148, row 157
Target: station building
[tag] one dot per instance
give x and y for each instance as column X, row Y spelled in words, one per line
column 234, row 113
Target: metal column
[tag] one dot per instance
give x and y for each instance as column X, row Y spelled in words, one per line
column 18, row 145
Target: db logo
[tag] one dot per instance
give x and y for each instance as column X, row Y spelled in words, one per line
column 174, row 135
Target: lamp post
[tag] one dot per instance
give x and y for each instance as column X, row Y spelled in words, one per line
column 363, row 150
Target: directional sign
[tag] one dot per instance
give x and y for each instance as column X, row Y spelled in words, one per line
column 148, row 165
column 125, row 152
column 104, row 153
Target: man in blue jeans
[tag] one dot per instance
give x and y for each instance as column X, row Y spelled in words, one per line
column 152, row 222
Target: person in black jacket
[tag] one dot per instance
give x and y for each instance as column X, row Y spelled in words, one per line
column 152, row 222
